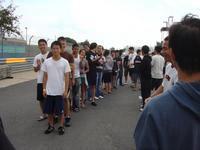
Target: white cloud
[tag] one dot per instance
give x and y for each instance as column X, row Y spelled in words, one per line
column 109, row 22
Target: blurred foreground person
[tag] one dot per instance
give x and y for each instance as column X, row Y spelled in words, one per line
column 171, row 121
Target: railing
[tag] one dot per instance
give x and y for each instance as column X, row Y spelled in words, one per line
column 18, row 64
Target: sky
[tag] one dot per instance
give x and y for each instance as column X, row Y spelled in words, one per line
column 111, row 23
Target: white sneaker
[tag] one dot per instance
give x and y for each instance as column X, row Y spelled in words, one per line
column 101, row 97
column 96, row 98
column 141, row 109
column 140, row 97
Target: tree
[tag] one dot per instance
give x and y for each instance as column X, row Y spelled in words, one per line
column 8, row 20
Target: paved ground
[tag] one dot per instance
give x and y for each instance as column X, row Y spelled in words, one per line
column 109, row 126
column 18, row 78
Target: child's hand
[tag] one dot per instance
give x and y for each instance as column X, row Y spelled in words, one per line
column 44, row 93
column 65, row 94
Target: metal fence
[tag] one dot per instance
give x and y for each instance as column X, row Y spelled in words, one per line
column 18, row 64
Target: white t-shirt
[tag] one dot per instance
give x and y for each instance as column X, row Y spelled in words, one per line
column 77, row 67
column 171, row 77
column 56, row 75
column 157, row 65
column 39, row 59
column 131, row 59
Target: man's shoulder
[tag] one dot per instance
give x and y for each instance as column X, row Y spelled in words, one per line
column 48, row 60
column 38, row 56
column 64, row 60
column 162, row 104
column 69, row 57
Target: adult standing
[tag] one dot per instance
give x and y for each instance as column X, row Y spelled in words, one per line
column 76, row 85
column 37, row 64
column 92, row 59
column 70, row 59
column 157, row 65
column 145, row 75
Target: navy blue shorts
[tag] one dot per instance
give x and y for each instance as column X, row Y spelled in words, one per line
column 91, row 77
column 40, row 96
column 54, row 105
column 107, row 77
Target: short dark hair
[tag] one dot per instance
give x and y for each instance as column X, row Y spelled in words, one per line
column 138, row 51
column 75, row 45
column 184, row 40
column 131, row 48
column 93, row 45
column 106, row 53
column 158, row 48
column 81, row 50
column 166, row 38
column 145, row 49
column 56, row 43
column 42, row 40
column 61, row 38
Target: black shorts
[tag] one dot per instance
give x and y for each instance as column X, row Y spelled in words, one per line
column 54, row 105
column 91, row 77
column 107, row 77
column 40, row 96
column 131, row 71
column 155, row 83
column 125, row 71
column 114, row 73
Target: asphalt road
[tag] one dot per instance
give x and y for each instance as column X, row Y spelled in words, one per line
column 109, row 126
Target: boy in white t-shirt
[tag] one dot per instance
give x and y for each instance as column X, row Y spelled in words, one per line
column 55, row 86
column 37, row 64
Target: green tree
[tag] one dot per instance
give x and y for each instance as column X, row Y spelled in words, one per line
column 8, row 20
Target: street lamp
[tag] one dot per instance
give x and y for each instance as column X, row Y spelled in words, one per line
column 29, row 43
column 26, row 35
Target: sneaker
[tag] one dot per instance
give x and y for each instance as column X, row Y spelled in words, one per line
column 41, row 118
column 140, row 97
column 76, row 109
column 125, row 83
column 141, row 109
column 61, row 130
column 101, row 97
column 67, row 122
column 94, row 104
column 49, row 129
column 96, row 98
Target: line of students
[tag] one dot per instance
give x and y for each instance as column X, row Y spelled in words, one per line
column 61, row 75
column 154, row 71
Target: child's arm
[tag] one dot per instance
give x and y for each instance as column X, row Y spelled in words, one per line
column 44, row 84
column 66, row 84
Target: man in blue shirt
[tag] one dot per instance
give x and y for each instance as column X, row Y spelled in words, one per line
column 171, row 121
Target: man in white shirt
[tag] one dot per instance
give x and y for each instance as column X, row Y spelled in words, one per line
column 131, row 66
column 170, row 77
column 37, row 64
column 76, row 85
column 55, row 86
column 157, row 65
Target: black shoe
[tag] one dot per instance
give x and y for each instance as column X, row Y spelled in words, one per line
column 67, row 122
column 94, row 104
column 61, row 130
column 49, row 130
